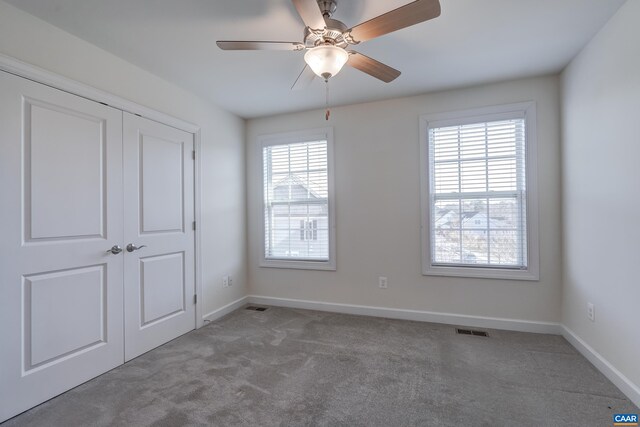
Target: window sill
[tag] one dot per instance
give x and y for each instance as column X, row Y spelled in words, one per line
column 299, row 265
column 481, row 273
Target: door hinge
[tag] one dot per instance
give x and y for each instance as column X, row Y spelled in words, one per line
column 193, row 225
column 195, row 299
column 193, row 154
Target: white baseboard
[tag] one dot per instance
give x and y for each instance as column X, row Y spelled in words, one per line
column 223, row 311
column 417, row 315
column 631, row 390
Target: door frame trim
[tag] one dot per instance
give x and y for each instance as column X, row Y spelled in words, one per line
column 40, row 75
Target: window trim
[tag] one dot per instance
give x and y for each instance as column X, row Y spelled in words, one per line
column 291, row 138
column 526, row 110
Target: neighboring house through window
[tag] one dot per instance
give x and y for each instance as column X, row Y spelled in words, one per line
column 479, row 201
column 298, row 200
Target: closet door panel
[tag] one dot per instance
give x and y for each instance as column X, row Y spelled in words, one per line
column 159, row 210
column 61, row 295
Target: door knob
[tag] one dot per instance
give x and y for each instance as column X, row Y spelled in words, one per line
column 115, row 249
column 131, row 247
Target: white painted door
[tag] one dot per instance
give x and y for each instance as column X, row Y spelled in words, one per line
column 61, row 295
column 159, row 276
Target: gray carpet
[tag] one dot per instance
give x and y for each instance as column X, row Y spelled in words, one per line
column 298, row 367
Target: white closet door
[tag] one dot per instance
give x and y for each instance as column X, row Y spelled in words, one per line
column 160, row 275
column 61, row 296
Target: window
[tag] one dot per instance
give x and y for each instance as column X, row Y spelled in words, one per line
column 479, row 202
column 298, row 200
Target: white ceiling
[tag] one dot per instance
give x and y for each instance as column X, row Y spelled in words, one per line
column 472, row 42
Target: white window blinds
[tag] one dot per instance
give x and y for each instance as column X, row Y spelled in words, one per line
column 296, row 201
column 478, row 195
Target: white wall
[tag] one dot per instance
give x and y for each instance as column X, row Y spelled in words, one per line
column 378, row 209
column 601, row 192
column 31, row 40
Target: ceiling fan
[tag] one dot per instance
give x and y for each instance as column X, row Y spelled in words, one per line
column 328, row 41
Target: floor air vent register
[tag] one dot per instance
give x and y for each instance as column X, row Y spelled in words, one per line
column 254, row 308
column 473, row 332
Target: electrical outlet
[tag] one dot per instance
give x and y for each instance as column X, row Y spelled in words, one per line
column 225, row 281
column 591, row 312
column 230, row 281
column 382, row 282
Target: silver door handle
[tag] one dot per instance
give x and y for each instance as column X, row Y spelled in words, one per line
column 131, row 247
column 115, row 249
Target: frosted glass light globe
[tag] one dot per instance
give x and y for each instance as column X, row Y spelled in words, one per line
column 326, row 60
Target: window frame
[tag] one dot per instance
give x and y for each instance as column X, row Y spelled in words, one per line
column 525, row 110
column 293, row 138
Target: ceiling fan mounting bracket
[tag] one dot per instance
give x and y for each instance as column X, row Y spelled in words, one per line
column 328, row 7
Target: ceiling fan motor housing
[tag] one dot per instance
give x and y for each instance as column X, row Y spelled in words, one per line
column 332, row 34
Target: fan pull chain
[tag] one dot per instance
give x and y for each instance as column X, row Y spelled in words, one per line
column 327, row 113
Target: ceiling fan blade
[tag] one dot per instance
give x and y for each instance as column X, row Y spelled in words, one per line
column 304, row 79
column 402, row 17
column 372, row 67
column 258, row 45
column 310, row 13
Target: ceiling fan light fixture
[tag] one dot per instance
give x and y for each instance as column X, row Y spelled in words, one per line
column 326, row 60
